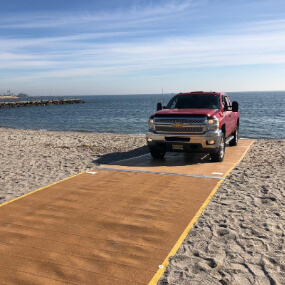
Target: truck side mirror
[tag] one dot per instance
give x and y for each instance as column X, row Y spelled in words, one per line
column 235, row 106
column 158, row 106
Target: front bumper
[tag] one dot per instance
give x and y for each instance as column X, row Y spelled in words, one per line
column 198, row 143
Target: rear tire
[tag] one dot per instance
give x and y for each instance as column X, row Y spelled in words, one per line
column 219, row 156
column 234, row 141
column 156, row 153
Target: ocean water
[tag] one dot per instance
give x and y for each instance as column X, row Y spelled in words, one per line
column 262, row 114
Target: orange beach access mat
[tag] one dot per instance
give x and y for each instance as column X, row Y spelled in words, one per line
column 99, row 227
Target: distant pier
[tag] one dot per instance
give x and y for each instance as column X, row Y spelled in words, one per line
column 40, row 103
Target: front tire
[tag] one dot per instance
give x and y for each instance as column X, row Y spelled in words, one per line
column 234, row 141
column 219, row 156
column 156, row 153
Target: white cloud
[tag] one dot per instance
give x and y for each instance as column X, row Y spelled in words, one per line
column 69, row 53
column 127, row 52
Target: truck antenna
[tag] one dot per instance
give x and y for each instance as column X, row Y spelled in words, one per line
column 162, row 96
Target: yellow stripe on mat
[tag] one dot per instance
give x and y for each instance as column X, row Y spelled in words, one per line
column 40, row 189
column 175, row 248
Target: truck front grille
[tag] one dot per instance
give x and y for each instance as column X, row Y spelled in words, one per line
column 187, row 121
column 179, row 130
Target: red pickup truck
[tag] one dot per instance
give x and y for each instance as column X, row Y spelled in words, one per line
column 194, row 122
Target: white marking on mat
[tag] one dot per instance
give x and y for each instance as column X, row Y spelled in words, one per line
column 114, row 163
column 154, row 172
column 91, row 172
column 218, row 173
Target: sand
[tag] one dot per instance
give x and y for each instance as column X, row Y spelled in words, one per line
column 8, row 97
column 33, row 159
column 239, row 238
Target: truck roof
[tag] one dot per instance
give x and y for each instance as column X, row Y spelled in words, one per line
column 201, row 92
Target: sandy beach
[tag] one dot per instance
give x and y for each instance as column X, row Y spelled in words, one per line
column 8, row 97
column 239, row 238
column 33, row 159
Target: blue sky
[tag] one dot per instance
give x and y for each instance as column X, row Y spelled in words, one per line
column 73, row 47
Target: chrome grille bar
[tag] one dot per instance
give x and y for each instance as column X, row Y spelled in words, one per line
column 180, row 124
column 179, row 130
column 186, row 121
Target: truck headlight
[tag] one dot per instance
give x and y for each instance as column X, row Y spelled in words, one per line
column 213, row 125
column 150, row 124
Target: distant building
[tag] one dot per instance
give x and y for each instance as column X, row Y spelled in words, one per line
column 22, row 95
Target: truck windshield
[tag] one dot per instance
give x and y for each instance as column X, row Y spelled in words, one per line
column 194, row 101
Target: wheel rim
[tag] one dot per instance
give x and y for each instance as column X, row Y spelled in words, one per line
column 236, row 135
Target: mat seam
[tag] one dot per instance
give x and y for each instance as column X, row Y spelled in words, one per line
column 162, row 173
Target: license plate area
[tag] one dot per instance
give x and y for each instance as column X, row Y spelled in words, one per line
column 177, row 147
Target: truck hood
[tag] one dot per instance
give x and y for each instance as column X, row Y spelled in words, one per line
column 187, row 112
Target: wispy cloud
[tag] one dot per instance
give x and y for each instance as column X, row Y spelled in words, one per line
column 137, row 13
column 124, row 43
column 170, row 52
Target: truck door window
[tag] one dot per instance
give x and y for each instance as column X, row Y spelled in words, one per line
column 172, row 103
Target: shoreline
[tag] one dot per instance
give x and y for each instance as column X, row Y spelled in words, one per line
column 77, row 131
column 238, row 239
column 8, row 97
column 129, row 134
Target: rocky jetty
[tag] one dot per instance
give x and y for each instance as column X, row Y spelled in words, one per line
column 40, row 103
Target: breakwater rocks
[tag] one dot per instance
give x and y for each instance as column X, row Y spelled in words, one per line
column 40, row 103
